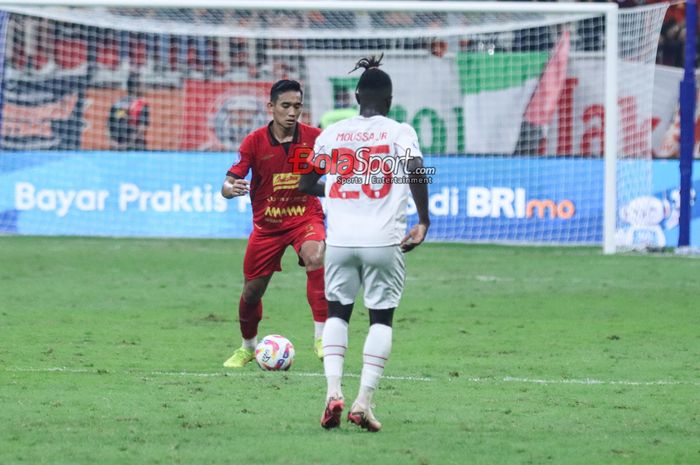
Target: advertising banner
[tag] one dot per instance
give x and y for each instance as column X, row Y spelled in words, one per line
column 666, row 107
column 43, row 114
column 119, row 194
column 478, row 108
column 177, row 195
column 493, row 199
column 220, row 114
column 165, row 128
column 425, row 94
column 495, row 106
column 477, row 103
column 652, row 220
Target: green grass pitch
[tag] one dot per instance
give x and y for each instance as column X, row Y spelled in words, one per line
column 111, row 353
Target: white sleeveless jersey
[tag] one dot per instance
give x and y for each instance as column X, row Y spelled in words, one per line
column 366, row 204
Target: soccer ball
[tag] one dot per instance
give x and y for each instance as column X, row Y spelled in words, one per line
column 274, row 353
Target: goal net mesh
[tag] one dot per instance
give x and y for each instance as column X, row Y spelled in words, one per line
column 120, row 121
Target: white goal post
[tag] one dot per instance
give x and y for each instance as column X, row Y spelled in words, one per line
column 534, row 114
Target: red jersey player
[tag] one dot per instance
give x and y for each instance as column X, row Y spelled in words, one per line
column 282, row 216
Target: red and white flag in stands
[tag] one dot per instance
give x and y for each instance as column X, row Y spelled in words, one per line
column 543, row 103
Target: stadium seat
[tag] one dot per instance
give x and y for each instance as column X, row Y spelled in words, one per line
column 70, row 53
column 108, row 54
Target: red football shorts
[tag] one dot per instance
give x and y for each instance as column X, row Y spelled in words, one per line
column 263, row 256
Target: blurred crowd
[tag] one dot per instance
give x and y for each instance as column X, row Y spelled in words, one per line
column 672, row 41
column 38, row 46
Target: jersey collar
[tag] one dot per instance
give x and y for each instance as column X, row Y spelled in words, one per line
column 274, row 142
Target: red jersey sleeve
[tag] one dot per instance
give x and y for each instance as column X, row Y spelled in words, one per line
column 242, row 166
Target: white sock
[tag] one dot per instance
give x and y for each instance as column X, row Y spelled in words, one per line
column 318, row 329
column 335, row 343
column 375, row 355
column 250, row 344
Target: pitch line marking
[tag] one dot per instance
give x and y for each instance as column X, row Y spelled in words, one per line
column 472, row 379
column 218, row 374
column 590, row 381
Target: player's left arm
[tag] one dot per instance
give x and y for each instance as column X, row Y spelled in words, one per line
column 419, row 191
column 419, row 188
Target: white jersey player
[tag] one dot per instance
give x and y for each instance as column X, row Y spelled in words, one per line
column 375, row 193
column 370, row 163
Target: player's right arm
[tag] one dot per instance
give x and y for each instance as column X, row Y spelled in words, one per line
column 235, row 185
column 310, row 183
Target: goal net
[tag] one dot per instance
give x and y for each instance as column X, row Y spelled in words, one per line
column 123, row 121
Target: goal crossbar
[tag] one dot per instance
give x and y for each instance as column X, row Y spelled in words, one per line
column 339, row 5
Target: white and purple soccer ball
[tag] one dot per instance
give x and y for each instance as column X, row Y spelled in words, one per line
column 275, row 353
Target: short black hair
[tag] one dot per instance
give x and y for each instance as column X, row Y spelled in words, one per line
column 282, row 86
column 373, row 81
column 133, row 83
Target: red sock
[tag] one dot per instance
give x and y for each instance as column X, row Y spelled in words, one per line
column 249, row 315
column 316, row 295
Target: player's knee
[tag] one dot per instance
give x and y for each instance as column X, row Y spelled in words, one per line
column 251, row 296
column 338, row 310
column 381, row 317
column 252, row 292
column 313, row 265
column 311, row 254
column 313, row 261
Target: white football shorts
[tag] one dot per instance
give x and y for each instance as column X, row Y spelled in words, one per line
column 381, row 271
